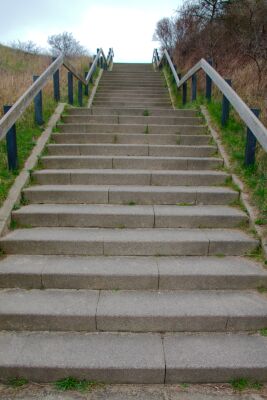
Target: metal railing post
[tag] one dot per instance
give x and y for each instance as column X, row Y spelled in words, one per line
column 80, row 93
column 11, row 145
column 225, row 106
column 70, row 87
column 38, row 105
column 208, row 84
column 86, row 87
column 90, row 65
column 98, row 61
column 251, row 142
column 194, row 88
column 56, row 84
column 184, row 93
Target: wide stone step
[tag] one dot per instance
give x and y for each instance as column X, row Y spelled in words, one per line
column 131, row 128
column 133, row 358
column 76, row 194
column 131, row 104
column 138, row 84
column 132, row 138
column 131, row 162
column 131, row 311
column 129, row 177
column 131, row 111
column 131, row 150
column 132, row 97
column 132, row 91
column 126, row 216
column 132, row 273
column 120, row 242
column 147, row 120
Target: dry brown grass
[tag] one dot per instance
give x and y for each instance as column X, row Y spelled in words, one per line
column 17, row 69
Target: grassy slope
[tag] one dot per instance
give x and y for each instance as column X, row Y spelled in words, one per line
column 16, row 70
column 234, row 138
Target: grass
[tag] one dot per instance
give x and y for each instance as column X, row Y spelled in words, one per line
column 262, row 289
column 184, row 385
column 146, row 113
column 184, row 204
column 131, row 203
column 146, row 130
column 17, row 382
column 263, row 332
column 16, row 73
column 241, row 384
column 71, row 383
column 233, row 137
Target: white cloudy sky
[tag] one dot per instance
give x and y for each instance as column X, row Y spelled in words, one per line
column 127, row 26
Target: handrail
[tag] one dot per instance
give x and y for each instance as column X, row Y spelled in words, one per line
column 245, row 113
column 15, row 112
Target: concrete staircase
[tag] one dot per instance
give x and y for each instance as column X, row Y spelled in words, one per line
column 128, row 262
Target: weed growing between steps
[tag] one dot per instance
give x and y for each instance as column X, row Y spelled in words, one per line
column 263, row 332
column 17, row 382
column 244, row 383
column 71, row 383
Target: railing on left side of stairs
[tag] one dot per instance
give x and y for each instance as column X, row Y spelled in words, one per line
column 256, row 131
column 34, row 93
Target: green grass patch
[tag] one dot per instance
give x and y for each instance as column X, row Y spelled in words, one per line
column 262, row 289
column 17, row 382
column 71, row 383
column 27, row 135
column 263, row 332
column 233, row 137
column 241, row 384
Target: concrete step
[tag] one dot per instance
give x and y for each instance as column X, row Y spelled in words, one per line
column 131, row 111
column 119, row 83
column 131, row 162
column 131, row 128
column 132, row 97
column 132, row 138
column 126, row 216
column 132, row 273
column 114, row 119
column 132, row 311
column 120, row 242
column 131, row 150
column 132, row 104
column 133, row 91
column 76, row 194
column 133, row 358
column 129, row 177
column 135, row 75
column 131, row 82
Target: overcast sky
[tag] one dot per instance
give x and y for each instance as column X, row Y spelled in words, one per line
column 127, row 26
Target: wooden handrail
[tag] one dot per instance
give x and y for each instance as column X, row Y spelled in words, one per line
column 15, row 112
column 245, row 113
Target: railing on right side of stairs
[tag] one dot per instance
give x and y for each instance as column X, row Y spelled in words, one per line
column 34, row 93
column 255, row 128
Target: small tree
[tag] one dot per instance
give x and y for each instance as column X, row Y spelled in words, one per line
column 165, row 33
column 246, row 21
column 65, row 43
column 28, row 46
